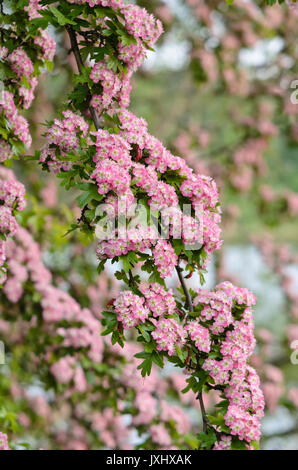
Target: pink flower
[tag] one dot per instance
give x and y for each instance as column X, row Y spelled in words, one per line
column 3, row 442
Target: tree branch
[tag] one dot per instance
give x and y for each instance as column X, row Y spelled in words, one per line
column 185, row 289
column 80, row 64
column 203, row 411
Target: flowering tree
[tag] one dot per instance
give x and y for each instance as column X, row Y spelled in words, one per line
column 151, row 213
column 253, row 139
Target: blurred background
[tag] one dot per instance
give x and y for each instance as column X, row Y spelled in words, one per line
column 220, row 92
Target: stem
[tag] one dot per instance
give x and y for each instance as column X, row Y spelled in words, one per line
column 132, row 282
column 76, row 51
column 203, row 411
column 185, row 289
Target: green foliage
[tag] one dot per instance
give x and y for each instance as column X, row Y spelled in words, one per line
column 149, row 359
column 206, row 440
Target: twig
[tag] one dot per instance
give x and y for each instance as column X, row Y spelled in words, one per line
column 132, row 281
column 185, row 289
column 203, row 411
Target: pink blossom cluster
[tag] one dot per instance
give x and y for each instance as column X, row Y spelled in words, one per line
column 241, row 382
column 138, row 239
column 252, row 154
column 8, row 223
column 23, row 68
column 112, row 146
column 24, row 83
column 17, row 122
column 218, row 304
column 162, row 195
column 47, row 44
column 66, row 370
column 115, row 4
column 32, row 9
column 243, row 417
column 169, row 335
column 65, row 135
column 159, row 300
column 113, row 89
column 12, row 192
column 113, row 175
column 110, row 176
column 191, row 231
column 3, row 442
column 130, row 309
column 25, row 263
column 146, row 405
column 116, row 174
column 145, row 30
column 110, row 83
column 111, row 428
column 123, row 205
column 203, row 194
column 20, row 63
column 60, row 306
column 199, row 335
column 160, row 435
column 63, row 369
column 170, row 412
column 140, row 24
column 5, row 151
column 184, row 226
column 135, row 131
column 133, row 54
column 223, row 444
column 165, row 258
column 12, row 197
column 144, row 177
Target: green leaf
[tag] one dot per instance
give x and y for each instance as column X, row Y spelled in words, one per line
column 145, row 334
column 83, row 200
column 128, row 260
column 79, row 94
column 157, row 359
column 49, row 65
column 155, row 277
column 238, row 445
column 191, row 383
column 207, row 440
column 255, row 445
column 145, row 367
column 181, row 354
column 72, row 228
column 117, row 338
column 62, row 20
column 101, row 266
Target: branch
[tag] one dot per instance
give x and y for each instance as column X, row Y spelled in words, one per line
column 76, row 51
column 132, row 281
column 185, row 289
column 203, row 412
